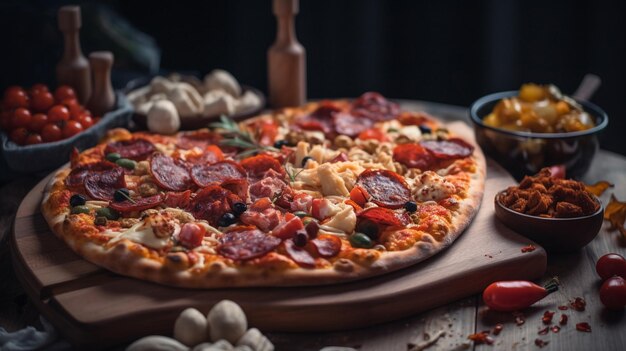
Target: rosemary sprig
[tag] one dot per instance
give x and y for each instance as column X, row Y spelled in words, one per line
column 291, row 172
column 236, row 137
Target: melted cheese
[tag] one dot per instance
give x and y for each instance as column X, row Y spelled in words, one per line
column 143, row 234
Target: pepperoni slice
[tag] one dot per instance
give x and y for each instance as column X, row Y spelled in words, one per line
column 77, row 176
column 204, row 175
column 212, row 202
column 385, row 216
column 245, row 243
column 413, row 156
column 386, row 188
column 135, row 149
column 452, row 148
column 347, row 124
column 257, row 166
column 326, row 245
column 200, row 139
column 211, row 154
column 301, row 256
column 168, row 173
column 238, row 187
column 416, row 119
column 138, row 204
column 320, row 119
column 178, row 199
column 102, row 185
column 374, row 106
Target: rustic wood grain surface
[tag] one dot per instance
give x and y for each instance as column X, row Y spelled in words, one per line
column 443, row 328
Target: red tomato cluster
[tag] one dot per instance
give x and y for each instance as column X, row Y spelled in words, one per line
column 612, row 269
column 37, row 115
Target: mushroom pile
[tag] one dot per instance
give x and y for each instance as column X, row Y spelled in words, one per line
column 224, row 328
column 167, row 100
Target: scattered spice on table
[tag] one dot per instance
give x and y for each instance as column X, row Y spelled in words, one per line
column 578, row 304
column 547, row 317
column 481, row 338
column 583, row 327
column 555, row 329
column 497, row 329
column 541, row 343
column 528, row 248
column 563, row 319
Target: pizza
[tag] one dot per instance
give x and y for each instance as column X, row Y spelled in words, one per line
column 328, row 192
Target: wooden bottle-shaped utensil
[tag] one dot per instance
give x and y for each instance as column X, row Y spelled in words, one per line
column 286, row 59
column 73, row 69
column 102, row 95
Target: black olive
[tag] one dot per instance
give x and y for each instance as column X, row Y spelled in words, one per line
column 410, row 206
column 425, row 129
column 312, row 228
column 227, row 219
column 368, row 228
column 77, row 200
column 239, row 208
column 305, row 160
column 121, row 194
column 280, row 143
column 300, row 239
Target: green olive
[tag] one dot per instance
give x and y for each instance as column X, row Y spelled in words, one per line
column 126, row 163
column 300, row 214
column 100, row 220
column 80, row 209
column 107, row 213
column 361, row 240
column 113, row 156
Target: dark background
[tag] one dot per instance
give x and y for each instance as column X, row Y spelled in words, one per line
column 445, row 51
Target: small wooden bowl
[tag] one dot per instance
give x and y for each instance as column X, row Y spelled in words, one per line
column 554, row 234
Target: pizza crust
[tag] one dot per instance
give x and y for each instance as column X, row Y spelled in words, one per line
column 123, row 258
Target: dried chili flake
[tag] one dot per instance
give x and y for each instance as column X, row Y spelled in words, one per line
column 547, row 317
column 583, row 327
column 563, row 308
column 541, row 343
column 528, row 248
column 578, row 304
column 555, row 329
column 563, row 319
column 519, row 318
column 497, row 329
column 543, row 331
column 481, row 338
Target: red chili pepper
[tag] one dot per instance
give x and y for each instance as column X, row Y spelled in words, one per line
column 508, row 296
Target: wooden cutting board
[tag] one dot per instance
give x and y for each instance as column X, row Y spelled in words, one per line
column 95, row 308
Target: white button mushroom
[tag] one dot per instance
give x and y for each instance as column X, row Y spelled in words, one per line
column 227, row 321
column 156, row 343
column 248, row 101
column 160, row 85
column 184, row 104
column 220, row 79
column 190, row 327
column 218, row 103
column 163, row 117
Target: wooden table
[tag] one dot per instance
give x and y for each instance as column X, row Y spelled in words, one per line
column 452, row 322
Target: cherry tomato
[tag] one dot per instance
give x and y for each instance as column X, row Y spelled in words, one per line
column 33, row 138
column 74, row 107
column 19, row 135
column 58, row 113
column 21, row 118
column 51, row 132
column 611, row 264
column 15, row 97
column 509, row 296
column 38, row 121
column 613, row 293
column 372, row 133
column 41, row 101
column 64, row 92
column 39, row 87
column 71, row 128
column 85, row 120
column 191, row 235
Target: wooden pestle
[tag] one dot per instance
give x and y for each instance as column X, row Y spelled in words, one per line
column 102, row 97
column 73, row 69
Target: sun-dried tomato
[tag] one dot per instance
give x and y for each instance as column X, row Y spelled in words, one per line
column 547, row 317
column 578, row 304
column 583, row 327
column 563, row 319
column 528, row 248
